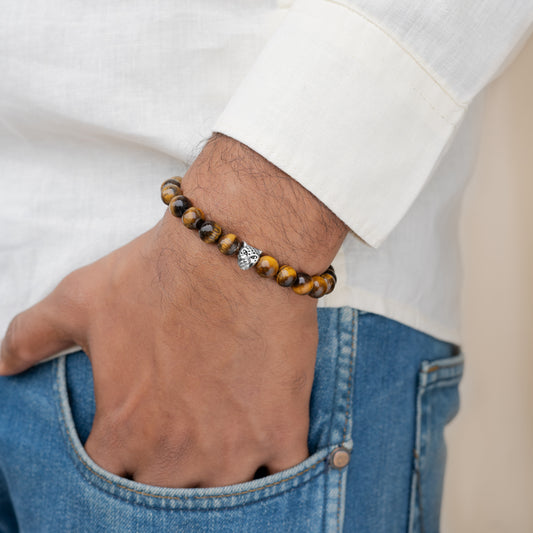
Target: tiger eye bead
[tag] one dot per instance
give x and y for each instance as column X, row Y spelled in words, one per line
column 193, row 218
column 330, row 270
column 210, row 231
column 267, row 266
column 229, row 244
column 320, row 287
column 169, row 191
column 178, row 205
column 176, row 180
column 303, row 283
column 286, row 276
column 330, row 281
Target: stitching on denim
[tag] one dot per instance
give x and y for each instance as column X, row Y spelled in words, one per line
column 265, row 486
column 347, row 414
column 336, row 381
column 422, row 388
column 339, row 488
column 419, row 493
column 326, row 496
column 415, row 475
column 141, row 493
column 435, row 366
column 331, row 418
column 420, row 505
column 350, row 379
column 444, row 382
column 160, row 496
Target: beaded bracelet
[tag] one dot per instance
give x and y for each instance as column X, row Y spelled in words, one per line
column 248, row 256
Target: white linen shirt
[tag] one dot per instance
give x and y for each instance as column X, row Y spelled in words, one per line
column 366, row 103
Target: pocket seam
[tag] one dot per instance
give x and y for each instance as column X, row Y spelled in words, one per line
column 429, row 366
column 347, row 413
column 429, row 378
column 321, row 454
column 141, row 493
column 444, row 382
column 436, row 367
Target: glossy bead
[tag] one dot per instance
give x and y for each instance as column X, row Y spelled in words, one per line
column 303, row 283
column 330, row 280
column 286, row 276
column 176, row 180
column 320, row 287
column 210, row 231
column 331, row 270
column 193, row 218
column 178, row 205
column 169, row 191
column 229, row 244
column 267, row 266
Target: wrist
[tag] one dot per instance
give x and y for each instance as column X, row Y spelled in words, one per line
column 265, row 207
column 212, row 277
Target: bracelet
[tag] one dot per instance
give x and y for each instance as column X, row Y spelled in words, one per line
column 248, row 256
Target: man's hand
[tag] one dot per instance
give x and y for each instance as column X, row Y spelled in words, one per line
column 202, row 372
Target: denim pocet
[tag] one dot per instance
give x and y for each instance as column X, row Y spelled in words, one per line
column 382, row 391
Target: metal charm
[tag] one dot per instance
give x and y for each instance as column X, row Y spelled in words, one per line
column 248, row 256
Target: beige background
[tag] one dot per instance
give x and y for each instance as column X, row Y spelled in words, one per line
column 489, row 480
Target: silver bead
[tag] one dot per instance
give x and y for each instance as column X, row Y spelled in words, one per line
column 248, row 256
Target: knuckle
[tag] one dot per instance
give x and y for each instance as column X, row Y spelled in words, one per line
column 72, row 289
column 102, row 449
column 14, row 340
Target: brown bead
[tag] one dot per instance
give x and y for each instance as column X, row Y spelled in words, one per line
column 193, row 218
column 178, row 205
column 267, row 266
column 176, row 180
column 331, row 270
column 303, row 283
column 330, row 281
column 320, row 287
column 169, row 191
column 210, row 231
column 286, row 276
column 229, row 244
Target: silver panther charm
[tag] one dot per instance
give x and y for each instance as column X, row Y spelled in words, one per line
column 248, row 256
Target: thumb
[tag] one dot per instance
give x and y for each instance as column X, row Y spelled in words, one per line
column 35, row 334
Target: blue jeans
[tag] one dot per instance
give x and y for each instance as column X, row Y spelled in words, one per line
column 381, row 397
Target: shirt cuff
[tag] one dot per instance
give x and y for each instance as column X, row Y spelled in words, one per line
column 343, row 108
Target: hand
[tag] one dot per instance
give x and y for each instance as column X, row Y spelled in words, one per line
column 202, row 372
